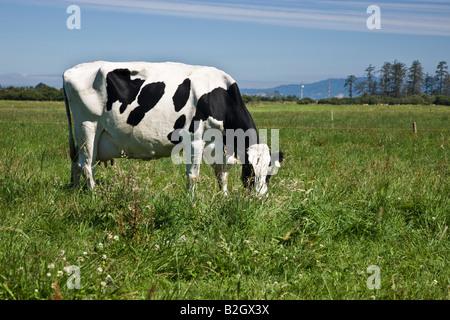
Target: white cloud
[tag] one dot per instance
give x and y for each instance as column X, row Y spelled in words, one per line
column 28, row 79
column 418, row 17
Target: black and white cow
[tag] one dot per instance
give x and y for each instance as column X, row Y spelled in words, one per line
column 143, row 110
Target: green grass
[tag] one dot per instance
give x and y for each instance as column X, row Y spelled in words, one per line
column 357, row 191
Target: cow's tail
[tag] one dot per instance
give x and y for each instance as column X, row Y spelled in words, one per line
column 73, row 150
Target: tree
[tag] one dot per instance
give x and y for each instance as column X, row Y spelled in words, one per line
column 429, row 84
column 385, row 80
column 447, row 85
column 371, row 83
column 361, row 88
column 441, row 73
column 415, row 78
column 398, row 73
column 40, row 85
column 350, row 82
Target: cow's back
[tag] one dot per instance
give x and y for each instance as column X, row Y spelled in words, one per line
column 139, row 104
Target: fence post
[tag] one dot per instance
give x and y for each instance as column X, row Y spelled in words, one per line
column 414, row 127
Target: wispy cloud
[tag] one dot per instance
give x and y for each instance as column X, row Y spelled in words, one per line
column 29, row 79
column 401, row 17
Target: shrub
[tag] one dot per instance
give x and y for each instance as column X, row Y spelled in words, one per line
column 306, row 101
column 442, row 100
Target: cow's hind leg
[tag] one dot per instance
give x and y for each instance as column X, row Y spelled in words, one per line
column 86, row 158
column 221, row 168
column 221, row 171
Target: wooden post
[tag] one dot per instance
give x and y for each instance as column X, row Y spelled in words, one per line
column 331, row 115
column 414, row 127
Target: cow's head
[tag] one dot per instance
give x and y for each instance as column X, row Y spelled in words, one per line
column 260, row 166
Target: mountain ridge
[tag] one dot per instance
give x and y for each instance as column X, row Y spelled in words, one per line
column 315, row 90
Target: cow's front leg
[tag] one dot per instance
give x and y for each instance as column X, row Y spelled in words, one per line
column 86, row 158
column 193, row 164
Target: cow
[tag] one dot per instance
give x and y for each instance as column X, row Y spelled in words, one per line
column 143, row 110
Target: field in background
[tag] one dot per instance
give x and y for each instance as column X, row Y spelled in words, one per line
column 357, row 191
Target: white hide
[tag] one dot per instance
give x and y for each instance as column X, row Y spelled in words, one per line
column 259, row 157
column 85, row 86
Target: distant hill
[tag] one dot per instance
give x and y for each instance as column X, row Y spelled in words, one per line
column 316, row 90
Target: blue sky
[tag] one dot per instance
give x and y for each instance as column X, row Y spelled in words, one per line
column 259, row 43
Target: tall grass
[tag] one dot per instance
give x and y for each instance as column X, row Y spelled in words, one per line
column 357, row 191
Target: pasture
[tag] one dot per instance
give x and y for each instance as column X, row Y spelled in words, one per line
column 357, row 191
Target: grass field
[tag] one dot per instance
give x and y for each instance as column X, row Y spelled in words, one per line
column 359, row 191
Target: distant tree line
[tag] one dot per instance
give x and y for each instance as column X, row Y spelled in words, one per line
column 398, row 84
column 41, row 92
column 393, row 83
column 277, row 98
column 397, row 80
column 415, row 99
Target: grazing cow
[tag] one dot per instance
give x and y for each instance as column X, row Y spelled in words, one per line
column 143, row 110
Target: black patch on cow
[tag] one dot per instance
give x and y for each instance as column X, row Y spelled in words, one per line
column 181, row 121
column 179, row 124
column 120, row 87
column 224, row 105
column 227, row 106
column 148, row 98
column 181, row 96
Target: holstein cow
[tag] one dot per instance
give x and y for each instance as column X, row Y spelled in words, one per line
column 143, row 110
